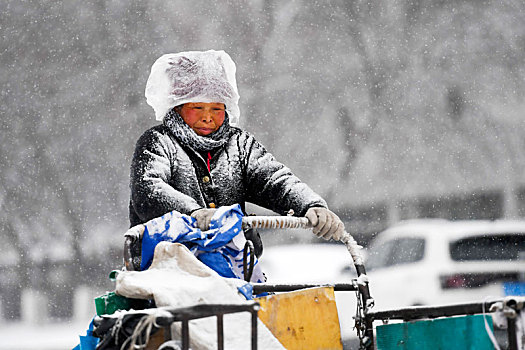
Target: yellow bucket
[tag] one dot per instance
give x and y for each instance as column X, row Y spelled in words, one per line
column 304, row 319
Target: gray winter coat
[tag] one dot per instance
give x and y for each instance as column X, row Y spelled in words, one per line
column 167, row 176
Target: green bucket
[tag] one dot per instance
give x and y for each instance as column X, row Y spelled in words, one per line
column 459, row 332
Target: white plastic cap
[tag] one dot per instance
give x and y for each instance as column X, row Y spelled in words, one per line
column 193, row 76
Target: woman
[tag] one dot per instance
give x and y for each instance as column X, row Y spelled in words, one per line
column 198, row 160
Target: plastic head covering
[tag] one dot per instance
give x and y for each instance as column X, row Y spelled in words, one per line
column 193, row 76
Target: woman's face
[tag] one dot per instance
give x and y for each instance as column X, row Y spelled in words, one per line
column 203, row 118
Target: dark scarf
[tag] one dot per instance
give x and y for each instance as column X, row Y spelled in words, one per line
column 189, row 138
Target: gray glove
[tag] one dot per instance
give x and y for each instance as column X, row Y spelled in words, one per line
column 203, row 217
column 326, row 224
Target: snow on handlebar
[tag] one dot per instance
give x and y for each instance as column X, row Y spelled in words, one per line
column 269, row 222
column 275, row 222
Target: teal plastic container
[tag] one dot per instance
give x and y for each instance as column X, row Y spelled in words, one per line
column 459, row 332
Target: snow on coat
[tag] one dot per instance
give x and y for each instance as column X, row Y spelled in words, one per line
column 166, row 176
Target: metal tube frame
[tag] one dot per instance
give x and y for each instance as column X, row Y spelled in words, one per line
column 291, row 222
column 259, row 288
column 187, row 314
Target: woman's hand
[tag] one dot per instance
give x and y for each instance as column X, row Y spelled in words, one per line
column 326, row 224
column 203, row 217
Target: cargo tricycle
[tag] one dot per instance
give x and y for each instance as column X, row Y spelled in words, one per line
column 302, row 316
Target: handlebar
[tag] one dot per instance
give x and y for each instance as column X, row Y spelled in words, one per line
column 275, row 222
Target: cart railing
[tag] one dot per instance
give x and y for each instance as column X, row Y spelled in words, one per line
column 164, row 319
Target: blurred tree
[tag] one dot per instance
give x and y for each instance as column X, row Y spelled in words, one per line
column 365, row 101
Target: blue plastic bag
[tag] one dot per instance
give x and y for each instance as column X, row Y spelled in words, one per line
column 220, row 247
column 88, row 341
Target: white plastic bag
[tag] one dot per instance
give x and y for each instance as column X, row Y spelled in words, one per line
column 193, row 76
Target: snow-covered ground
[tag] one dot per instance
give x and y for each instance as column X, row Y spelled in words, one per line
column 51, row 336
